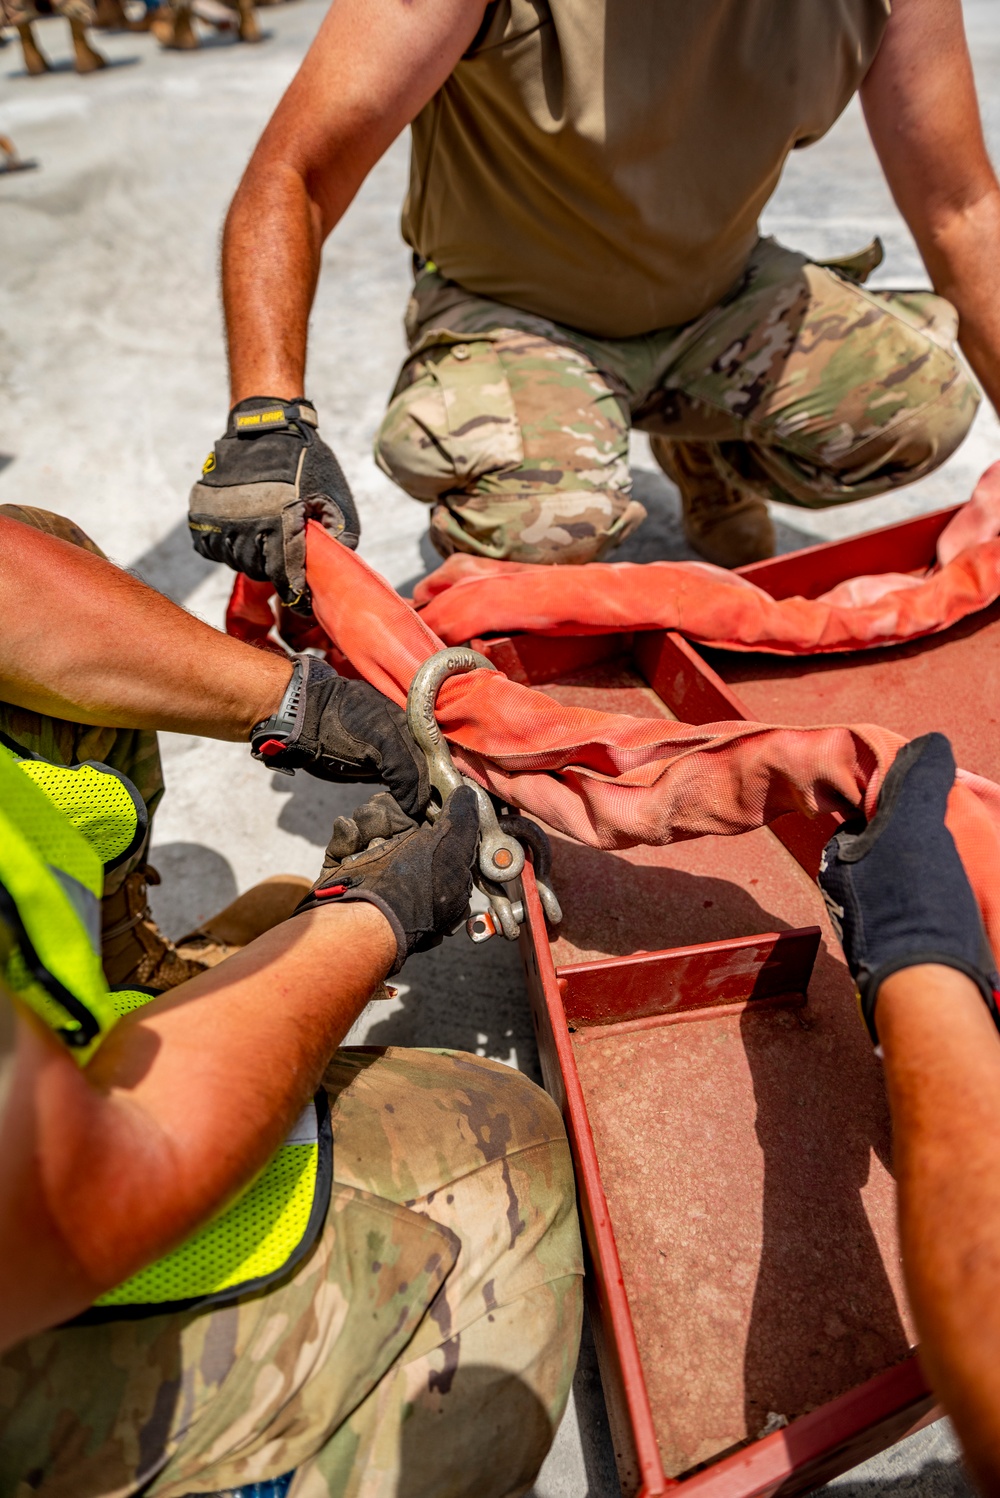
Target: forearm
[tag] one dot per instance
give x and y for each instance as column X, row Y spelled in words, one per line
column 86, row 641
column 961, row 250
column 189, row 1098
column 270, row 264
column 942, row 1063
column 923, row 115
column 372, row 66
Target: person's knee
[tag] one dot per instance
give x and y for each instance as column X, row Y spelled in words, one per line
column 393, row 1105
column 451, row 420
column 882, row 397
column 927, row 430
column 558, row 527
column 519, row 443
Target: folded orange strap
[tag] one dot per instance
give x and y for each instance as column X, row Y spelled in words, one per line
column 615, row 781
column 470, row 596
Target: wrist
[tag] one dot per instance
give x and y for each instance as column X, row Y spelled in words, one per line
column 271, row 385
column 370, row 928
column 927, row 991
column 273, row 677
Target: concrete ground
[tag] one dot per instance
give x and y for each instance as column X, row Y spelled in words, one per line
column 112, row 389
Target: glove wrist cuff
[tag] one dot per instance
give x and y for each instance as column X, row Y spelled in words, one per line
column 316, row 901
column 260, row 413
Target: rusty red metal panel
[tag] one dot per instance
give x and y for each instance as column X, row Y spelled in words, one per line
column 750, row 968
column 732, row 1148
column 629, row 1414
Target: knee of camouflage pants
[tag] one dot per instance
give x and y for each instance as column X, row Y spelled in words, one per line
column 473, row 1403
column 517, row 441
column 424, row 1348
column 806, row 387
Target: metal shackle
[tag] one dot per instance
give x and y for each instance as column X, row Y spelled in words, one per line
column 501, row 857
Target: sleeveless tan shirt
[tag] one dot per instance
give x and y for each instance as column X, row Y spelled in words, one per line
column 604, row 162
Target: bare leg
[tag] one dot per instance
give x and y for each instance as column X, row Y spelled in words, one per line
column 35, row 61
column 85, row 59
column 942, row 1063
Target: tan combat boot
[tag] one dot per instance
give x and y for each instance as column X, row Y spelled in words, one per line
column 35, row 61
column 85, row 58
column 726, row 523
column 249, row 28
column 267, row 904
column 134, row 951
column 173, row 27
column 136, row 954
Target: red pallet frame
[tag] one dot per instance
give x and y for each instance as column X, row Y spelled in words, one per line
column 758, row 970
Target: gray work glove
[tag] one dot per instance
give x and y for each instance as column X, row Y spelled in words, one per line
column 338, row 729
column 268, row 474
column 419, row 877
column 896, row 888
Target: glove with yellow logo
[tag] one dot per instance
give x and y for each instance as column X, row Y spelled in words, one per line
column 268, row 474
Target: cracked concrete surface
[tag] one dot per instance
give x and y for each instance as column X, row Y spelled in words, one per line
column 112, row 388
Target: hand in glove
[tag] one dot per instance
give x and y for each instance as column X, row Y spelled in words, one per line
column 337, row 729
column 896, row 888
column 269, row 473
column 419, row 877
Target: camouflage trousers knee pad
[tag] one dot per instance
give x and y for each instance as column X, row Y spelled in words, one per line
column 517, row 442
column 559, row 529
column 802, row 385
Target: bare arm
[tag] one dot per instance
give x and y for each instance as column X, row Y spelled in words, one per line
column 83, row 640
column 942, row 1063
column 373, row 66
column 182, row 1105
column 920, row 104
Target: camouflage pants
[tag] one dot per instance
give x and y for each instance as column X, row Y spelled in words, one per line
column 21, row 12
column 424, row 1349
column 133, row 751
column 802, row 385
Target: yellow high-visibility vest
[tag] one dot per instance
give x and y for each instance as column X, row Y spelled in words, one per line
column 61, row 829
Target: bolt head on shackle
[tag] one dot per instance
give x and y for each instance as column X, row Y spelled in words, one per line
column 481, row 927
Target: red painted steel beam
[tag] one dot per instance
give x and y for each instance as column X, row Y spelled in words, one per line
column 907, row 547
column 738, row 971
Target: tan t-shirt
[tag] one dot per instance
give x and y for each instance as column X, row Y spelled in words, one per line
column 604, row 162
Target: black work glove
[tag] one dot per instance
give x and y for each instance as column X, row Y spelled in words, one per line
column 896, row 888
column 337, row 729
column 268, row 474
column 419, row 877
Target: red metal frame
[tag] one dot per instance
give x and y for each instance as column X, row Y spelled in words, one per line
column 571, row 1004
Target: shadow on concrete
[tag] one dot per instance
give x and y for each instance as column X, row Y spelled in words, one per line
column 6, row 459
column 660, row 538
column 196, row 883
column 934, row 1480
column 65, row 65
column 172, row 566
column 431, row 560
column 592, row 1419
column 309, row 807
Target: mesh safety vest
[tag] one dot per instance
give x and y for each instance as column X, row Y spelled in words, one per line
column 61, row 830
